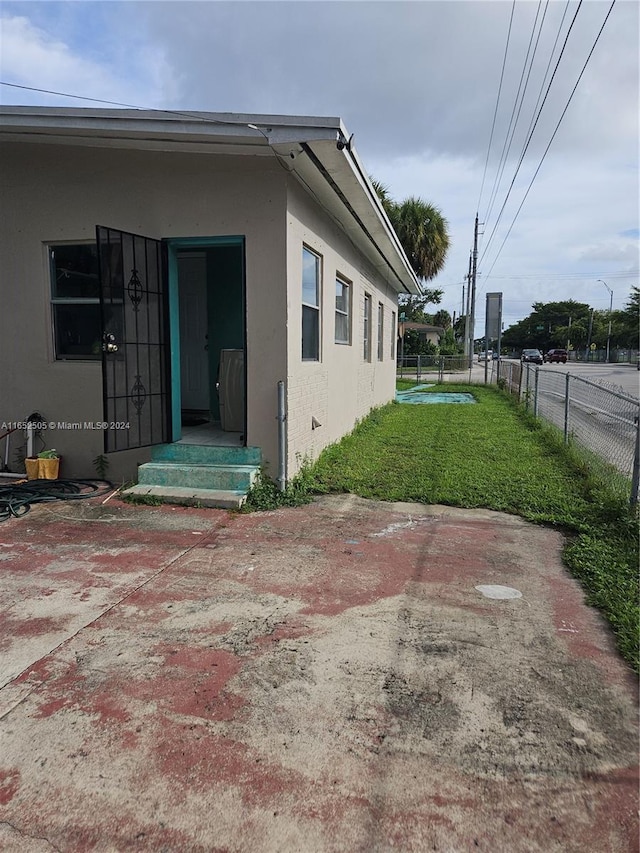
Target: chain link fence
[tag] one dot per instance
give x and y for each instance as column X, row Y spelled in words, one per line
column 596, row 416
column 435, row 368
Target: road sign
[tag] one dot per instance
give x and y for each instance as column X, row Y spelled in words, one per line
column 493, row 316
column 593, row 346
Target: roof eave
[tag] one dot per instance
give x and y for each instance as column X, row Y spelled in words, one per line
column 317, row 149
column 339, row 180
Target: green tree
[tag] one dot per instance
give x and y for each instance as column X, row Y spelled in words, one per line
column 422, row 230
column 448, row 343
column 413, row 306
column 459, row 328
column 548, row 326
column 625, row 324
column 442, row 318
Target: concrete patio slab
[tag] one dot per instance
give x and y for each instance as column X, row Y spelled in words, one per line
column 336, row 677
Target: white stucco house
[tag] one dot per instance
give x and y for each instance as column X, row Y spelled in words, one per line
column 168, row 277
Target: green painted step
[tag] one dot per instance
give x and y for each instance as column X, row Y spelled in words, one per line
column 204, row 454
column 197, row 476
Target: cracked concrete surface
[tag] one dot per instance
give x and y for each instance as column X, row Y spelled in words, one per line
column 326, row 678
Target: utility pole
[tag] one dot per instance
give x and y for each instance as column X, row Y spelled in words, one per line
column 586, row 354
column 474, row 272
column 610, row 310
column 467, row 324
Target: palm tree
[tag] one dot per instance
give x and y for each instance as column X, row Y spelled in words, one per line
column 421, row 229
column 382, row 191
column 442, row 318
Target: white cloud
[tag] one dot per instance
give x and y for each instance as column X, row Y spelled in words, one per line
column 35, row 57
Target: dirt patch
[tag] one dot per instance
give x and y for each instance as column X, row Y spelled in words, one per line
column 406, row 677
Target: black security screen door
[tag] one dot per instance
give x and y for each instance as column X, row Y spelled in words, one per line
column 135, row 343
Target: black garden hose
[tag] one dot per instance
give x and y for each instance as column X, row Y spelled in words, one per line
column 16, row 498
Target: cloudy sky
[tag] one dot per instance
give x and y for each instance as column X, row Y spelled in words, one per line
column 417, row 83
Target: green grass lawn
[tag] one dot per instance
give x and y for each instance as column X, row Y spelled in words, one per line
column 491, row 454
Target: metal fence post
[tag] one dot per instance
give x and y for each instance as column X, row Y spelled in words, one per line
column 520, row 383
column 526, row 393
column 535, row 393
column 418, row 365
column 635, row 480
column 566, row 408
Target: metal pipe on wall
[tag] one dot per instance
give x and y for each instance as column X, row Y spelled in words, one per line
column 282, row 439
column 30, row 437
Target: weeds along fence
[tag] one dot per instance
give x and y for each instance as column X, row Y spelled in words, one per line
column 597, row 417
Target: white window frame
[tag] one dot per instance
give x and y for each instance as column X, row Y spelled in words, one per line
column 366, row 328
column 380, row 331
column 340, row 313
column 394, row 334
column 313, row 308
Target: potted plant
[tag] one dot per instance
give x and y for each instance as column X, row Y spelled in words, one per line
column 44, row 466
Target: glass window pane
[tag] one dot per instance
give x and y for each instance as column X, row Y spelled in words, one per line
column 310, row 333
column 367, row 327
column 75, row 272
column 343, row 311
column 310, row 278
column 342, row 328
column 78, row 331
column 342, row 296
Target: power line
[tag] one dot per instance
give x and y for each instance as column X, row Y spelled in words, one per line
column 576, row 276
column 67, row 95
column 552, row 136
column 495, row 112
column 546, row 73
column 528, row 141
column 511, row 129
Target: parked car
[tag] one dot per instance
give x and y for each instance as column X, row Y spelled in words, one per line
column 485, row 356
column 533, row 355
column 556, row 355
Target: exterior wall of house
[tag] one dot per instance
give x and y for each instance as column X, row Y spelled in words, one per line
column 342, row 387
column 59, row 193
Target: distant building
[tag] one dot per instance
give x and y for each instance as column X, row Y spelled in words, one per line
column 432, row 334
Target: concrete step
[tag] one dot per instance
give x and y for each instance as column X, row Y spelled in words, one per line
column 198, row 476
column 205, row 454
column 216, row 498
